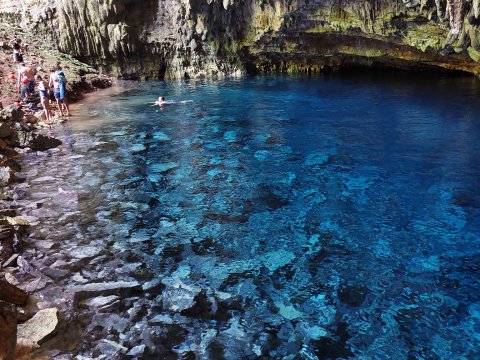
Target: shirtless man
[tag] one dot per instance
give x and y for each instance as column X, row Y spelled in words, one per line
column 44, row 96
column 160, row 101
column 25, row 72
column 58, row 82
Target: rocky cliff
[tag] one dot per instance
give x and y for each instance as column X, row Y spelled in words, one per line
column 192, row 38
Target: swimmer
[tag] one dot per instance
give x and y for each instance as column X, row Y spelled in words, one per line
column 161, row 101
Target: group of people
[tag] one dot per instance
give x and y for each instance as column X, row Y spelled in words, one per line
column 27, row 79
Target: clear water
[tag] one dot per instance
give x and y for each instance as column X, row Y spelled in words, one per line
column 330, row 217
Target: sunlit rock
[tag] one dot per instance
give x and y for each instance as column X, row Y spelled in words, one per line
column 40, row 326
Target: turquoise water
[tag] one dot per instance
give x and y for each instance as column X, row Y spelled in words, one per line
column 302, row 218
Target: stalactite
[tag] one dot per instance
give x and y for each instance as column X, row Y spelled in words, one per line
column 438, row 4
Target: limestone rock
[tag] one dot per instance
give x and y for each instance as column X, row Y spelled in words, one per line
column 100, row 301
column 182, row 39
column 43, row 324
column 84, row 252
column 103, row 289
column 179, row 298
column 39, row 142
column 137, row 351
column 110, row 348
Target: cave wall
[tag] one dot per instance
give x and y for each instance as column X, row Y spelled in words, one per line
column 194, row 38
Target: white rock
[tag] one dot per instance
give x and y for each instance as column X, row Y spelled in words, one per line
column 40, row 326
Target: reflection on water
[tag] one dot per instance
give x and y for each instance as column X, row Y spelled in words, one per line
column 321, row 218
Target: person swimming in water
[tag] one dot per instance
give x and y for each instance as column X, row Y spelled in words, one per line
column 161, row 101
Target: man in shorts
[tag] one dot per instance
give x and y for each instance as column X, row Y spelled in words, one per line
column 59, row 82
column 25, row 72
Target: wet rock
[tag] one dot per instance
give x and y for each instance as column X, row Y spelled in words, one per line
column 163, row 168
column 161, row 136
column 84, row 252
column 137, row 148
column 11, row 279
column 160, row 320
column 100, row 301
column 98, row 81
column 54, row 273
column 353, row 295
column 34, row 285
column 137, row 351
column 154, row 284
column 110, row 348
column 10, row 261
column 316, row 159
column 178, row 299
column 81, row 292
column 311, row 332
column 8, row 330
column 43, row 324
column 288, row 311
column 320, row 307
column 110, row 323
column 39, row 142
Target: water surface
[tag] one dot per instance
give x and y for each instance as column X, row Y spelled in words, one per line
column 286, row 217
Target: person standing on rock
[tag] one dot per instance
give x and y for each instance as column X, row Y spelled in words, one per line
column 59, row 82
column 25, row 72
column 17, row 56
column 44, row 96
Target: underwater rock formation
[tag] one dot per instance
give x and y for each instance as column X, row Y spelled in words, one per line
column 195, row 38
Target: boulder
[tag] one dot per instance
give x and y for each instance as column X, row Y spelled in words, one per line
column 43, row 324
column 8, row 330
column 39, row 142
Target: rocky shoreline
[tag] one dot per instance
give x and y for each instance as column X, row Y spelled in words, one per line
column 24, row 325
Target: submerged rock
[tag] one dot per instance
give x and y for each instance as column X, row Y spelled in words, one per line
column 179, row 298
column 85, row 252
column 352, row 295
column 137, row 351
column 102, row 289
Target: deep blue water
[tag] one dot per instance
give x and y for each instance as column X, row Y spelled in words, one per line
column 287, row 217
